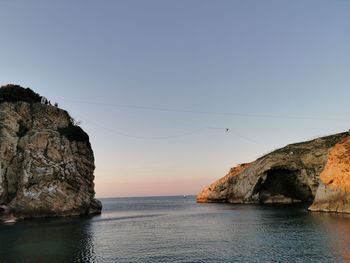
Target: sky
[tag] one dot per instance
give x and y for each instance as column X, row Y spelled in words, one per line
column 156, row 83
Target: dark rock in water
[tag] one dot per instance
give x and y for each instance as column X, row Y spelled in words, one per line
column 46, row 162
column 3, row 209
column 315, row 172
column 95, row 207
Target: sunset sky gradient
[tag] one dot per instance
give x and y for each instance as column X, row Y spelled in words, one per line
column 156, row 83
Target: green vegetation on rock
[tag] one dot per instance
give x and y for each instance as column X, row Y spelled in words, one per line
column 74, row 133
column 15, row 93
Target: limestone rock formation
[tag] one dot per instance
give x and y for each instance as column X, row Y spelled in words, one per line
column 46, row 162
column 333, row 193
column 315, row 172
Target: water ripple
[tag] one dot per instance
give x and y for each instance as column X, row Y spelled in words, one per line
column 172, row 229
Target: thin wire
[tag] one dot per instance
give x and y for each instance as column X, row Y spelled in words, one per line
column 144, row 137
column 205, row 112
column 228, row 130
column 170, row 136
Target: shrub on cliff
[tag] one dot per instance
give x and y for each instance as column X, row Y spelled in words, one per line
column 14, row 93
column 75, row 133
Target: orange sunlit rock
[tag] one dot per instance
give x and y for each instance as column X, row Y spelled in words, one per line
column 336, row 174
column 315, row 171
column 208, row 193
column 333, row 193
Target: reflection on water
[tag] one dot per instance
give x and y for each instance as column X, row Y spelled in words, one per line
column 47, row 240
column 175, row 229
column 337, row 229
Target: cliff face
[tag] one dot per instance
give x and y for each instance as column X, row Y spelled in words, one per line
column 333, row 193
column 315, row 172
column 45, row 168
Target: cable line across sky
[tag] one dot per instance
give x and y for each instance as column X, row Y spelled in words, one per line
column 193, row 132
column 227, row 130
column 237, row 114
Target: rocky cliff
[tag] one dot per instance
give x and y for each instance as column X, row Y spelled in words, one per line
column 46, row 162
column 315, row 172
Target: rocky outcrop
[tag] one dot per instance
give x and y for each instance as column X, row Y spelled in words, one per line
column 46, row 162
column 333, row 193
column 315, row 172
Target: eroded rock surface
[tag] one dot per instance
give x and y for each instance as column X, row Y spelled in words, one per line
column 333, row 194
column 315, row 172
column 42, row 171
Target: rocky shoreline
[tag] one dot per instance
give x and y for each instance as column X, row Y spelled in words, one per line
column 316, row 172
column 46, row 161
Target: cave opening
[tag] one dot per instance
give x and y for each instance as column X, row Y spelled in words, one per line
column 284, row 185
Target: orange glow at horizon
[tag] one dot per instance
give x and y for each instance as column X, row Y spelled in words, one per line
column 150, row 188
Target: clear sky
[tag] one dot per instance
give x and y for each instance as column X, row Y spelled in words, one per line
column 155, row 83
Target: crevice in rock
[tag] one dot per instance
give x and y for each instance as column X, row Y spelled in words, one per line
column 19, row 154
column 47, row 148
column 7, row 197
column 283, row 185
column 32, row 114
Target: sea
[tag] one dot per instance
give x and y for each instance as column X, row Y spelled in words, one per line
column 177, row 229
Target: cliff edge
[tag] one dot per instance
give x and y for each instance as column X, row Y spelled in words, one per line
column 315, row 172
column 46, row 161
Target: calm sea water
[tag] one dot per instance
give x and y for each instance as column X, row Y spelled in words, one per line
column 176, row 229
